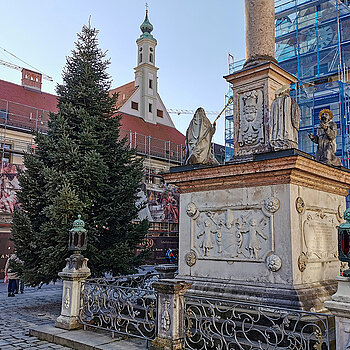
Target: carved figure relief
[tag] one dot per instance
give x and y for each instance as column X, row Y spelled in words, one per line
column 251, row 126
column 233, row 234
column 273, row 262
column 165, row 318
column 191, row 258
column 300, row 205
column 251, row 228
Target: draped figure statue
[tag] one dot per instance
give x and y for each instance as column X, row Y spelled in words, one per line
column 198, row 140
column 284, row 120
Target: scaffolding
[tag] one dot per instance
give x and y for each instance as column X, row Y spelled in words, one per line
column 29, row 120
column 313, row 43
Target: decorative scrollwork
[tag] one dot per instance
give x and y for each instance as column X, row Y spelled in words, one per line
column 165, row 319
column 67, row 298
column 300, row 205
column 224, row 324
column 191, row 258
column 115, row 306
column 302, row 261
column 272, row 204
column 273, row 262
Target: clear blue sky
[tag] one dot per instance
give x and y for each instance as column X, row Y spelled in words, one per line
column 194, row 38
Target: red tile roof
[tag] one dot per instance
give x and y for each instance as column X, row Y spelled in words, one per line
column 159, row 131
column 124, row 91
column 19, row 94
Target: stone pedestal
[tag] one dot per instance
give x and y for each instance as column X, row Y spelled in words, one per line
column 340, row 307
column 170, row 334
column 75, row 272
column 253, row 93
column 262, row 231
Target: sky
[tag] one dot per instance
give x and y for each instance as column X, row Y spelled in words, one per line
column 194, row 39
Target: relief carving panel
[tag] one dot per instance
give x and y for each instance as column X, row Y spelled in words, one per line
column 233, row 233
column 251, row 126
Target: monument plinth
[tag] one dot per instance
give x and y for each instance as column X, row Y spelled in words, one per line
column 262, row 231
column 253, row 93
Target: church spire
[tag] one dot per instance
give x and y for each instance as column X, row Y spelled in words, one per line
column 146, row 28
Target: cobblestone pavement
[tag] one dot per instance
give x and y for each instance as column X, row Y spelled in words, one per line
column 33, row 307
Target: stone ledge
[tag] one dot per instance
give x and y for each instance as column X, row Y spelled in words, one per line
column 295, row 169
column 85, row 340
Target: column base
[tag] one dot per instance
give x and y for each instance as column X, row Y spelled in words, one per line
column 68, row 323
column 167, row 344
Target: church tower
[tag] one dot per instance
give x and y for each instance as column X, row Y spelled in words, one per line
column 146, row 72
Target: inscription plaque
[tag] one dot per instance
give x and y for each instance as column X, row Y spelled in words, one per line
column 320, row 235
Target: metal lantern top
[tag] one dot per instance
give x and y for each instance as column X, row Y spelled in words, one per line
column 78, row 235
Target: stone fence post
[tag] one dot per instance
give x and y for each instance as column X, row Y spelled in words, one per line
column 339, row 306
column 75, row 272
column 170, row 332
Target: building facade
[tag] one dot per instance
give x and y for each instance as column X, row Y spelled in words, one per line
column 145, row 124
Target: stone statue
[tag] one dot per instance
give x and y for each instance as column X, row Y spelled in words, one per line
column 198, row 140
column 284, row 120
column 325, row 139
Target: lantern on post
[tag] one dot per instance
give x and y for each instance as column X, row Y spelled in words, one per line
column 77, row 236
column 344, row 241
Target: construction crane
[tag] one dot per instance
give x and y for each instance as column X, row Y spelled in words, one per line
column 189, row 111
column 15, row 66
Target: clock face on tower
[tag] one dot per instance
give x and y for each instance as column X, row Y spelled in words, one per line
column 325, row 36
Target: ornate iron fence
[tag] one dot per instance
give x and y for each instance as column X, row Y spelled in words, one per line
column 125, row 305
column 228, row 325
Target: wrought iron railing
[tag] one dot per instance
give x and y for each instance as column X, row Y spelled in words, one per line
column 224, row 324
column 125, row 305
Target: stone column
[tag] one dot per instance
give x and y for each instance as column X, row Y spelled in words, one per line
column 339, row 306
column 75, row 272
column 259, row 31
column 170, row 332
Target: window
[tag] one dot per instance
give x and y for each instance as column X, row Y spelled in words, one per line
column 159, row 113
column 3, row 114
column 134, row 105
column 150, row 107
column 151, row 57
column 150, row 84
column 5, row 155
column 140, row 59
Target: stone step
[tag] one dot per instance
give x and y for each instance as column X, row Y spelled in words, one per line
column 86, row 340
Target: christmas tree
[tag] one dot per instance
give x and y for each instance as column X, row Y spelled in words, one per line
column 80, row 167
